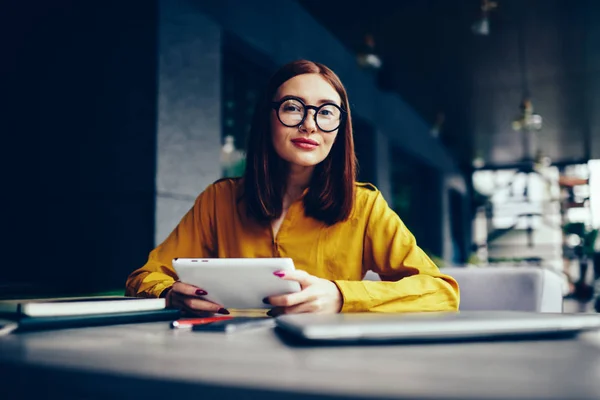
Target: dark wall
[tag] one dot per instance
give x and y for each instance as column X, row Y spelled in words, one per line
column 547, row 49
column 592, row 64
column 79, row 163
column 364, row 147
column 416, row 198
column 437, row 64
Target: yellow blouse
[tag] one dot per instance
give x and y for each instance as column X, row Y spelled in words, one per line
column 373, row 238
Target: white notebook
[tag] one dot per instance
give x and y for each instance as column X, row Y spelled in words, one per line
column 78, row 306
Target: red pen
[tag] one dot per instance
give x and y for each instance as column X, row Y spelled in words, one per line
column 190, row 322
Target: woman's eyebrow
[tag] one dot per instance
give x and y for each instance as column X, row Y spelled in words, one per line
column 322, row 101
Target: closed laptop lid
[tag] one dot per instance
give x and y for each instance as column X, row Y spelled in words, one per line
column 434, row 325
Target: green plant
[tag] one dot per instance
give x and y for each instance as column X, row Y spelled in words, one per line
column 589, row 240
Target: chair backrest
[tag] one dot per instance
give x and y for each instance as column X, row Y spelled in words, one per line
column 506, row 288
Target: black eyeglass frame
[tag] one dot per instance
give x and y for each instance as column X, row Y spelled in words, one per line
column 277, row 104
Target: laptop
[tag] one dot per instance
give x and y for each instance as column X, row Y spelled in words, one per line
column 435, row 326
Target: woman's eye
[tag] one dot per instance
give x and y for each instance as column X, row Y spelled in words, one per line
column 291, row 107
column 328, row 112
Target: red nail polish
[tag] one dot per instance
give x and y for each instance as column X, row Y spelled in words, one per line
column 223, row 311
column 279, row 274
column 201, row 292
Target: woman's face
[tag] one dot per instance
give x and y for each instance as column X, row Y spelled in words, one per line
column 305, row 145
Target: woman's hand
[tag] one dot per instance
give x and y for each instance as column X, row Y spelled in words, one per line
column 189, row 299
column 317, row 296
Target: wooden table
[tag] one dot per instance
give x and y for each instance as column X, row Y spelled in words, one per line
column 152, row 361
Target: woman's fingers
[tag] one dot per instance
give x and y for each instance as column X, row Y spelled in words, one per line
column 317, row 296
column 292, row 299
column 194, row 304
column 308, row 307
column 305, row 295
column 201, row 305
column 314, row 306
column 302, row 277
column 188, row 290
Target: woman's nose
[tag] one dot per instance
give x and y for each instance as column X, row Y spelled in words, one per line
column 309, row 123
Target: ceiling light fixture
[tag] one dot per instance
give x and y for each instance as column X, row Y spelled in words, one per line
column 367, row 57
column 527, row 119
column 481, row 26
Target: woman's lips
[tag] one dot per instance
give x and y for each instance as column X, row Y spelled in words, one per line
column 305, row 144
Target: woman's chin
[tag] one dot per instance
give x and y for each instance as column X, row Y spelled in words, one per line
column 302, row 159
column 305, row 162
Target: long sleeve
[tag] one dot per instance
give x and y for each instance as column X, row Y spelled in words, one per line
column 410, row 280
column 193, row 237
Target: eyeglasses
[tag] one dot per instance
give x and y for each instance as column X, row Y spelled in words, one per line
column 291, row 112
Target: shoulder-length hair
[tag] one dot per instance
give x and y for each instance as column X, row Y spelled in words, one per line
column 330, row 196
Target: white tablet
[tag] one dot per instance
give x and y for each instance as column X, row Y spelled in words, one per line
column 237, row 282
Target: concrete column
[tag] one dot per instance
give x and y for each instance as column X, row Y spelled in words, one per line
column 189, row 110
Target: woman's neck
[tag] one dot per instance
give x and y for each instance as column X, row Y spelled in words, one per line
column 298, row 180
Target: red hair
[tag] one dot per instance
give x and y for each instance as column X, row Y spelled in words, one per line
column 330, row 196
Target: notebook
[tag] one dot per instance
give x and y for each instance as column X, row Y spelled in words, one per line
column 76, row 321
column 77, row 306
column 39, row 314
column 434, row 326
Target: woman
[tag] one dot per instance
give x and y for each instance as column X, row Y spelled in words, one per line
column 298, row 198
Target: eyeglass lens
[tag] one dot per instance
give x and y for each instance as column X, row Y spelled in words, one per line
column 291, row 113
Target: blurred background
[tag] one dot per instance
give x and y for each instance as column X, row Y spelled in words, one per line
column 478, row 120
